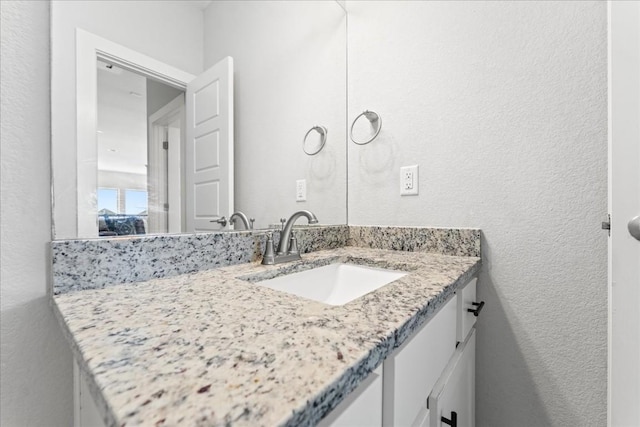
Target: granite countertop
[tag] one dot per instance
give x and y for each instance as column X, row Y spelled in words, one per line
column 209, row 348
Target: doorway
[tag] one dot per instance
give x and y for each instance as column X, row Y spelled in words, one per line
column 136, row 116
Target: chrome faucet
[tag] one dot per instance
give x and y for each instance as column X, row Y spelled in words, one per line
column 288, row 246
column 243, row 218
column 284, row 248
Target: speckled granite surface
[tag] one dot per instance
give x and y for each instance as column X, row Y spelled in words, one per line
column 445, row 241
column 208, row 348
column 96, row 263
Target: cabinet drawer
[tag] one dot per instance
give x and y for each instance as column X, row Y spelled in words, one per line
column 453, row 396
column 412, row 370
column 466, row 300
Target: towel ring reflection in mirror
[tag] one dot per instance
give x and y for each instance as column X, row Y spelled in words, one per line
column 376, row 122
column 323, row 139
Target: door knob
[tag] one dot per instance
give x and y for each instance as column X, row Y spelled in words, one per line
column 634, row 227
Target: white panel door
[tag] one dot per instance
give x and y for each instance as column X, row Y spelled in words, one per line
column 209, row 148
column 624, row 200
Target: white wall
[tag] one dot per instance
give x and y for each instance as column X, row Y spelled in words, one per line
column 504, row 107
column 121, row 121
column 290, row 74
column 159, row 95
column 122, row 180
column 36, row 369
column 169, row 31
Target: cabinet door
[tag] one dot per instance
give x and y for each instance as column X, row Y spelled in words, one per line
column 466, row 300
column 362, row 407
column 412, row 371
column 453, row 397
column 423, row 419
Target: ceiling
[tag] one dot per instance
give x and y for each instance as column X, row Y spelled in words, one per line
column 122, row 120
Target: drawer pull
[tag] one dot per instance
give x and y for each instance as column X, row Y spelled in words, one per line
column 453, row 422
column 478, row 309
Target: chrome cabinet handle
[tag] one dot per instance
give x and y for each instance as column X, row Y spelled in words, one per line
column 476, row 311
column 222, row 221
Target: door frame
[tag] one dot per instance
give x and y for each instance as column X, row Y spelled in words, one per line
column 159, row 171
column 90, row 48
column 623, row 359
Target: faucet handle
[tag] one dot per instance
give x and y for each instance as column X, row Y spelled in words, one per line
column 293, row 244
column 251, row 220
column 269, row 254
column 222, row 221
column 282, row 221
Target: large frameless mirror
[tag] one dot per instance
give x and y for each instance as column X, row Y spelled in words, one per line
column 171, row 116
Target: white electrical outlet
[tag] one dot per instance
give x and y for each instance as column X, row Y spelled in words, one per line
column 301, row 190
column 409, row 180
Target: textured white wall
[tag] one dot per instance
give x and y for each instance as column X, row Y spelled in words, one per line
column 36, row 369
column 290, row 74
column 159, row 95
column 169, row 31
column 503, row 105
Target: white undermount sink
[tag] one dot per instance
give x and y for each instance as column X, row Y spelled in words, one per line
column 334, row 284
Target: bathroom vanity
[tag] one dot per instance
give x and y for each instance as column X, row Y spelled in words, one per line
column 212, row 347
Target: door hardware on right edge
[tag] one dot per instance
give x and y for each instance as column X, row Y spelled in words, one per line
column 606, row 225
column 634, row 227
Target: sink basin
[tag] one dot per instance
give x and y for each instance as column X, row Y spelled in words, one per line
column 334, row 284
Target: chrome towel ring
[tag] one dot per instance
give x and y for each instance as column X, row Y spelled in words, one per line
column 323, row 139
column 374, row 118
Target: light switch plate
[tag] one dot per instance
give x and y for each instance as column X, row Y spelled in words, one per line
column 301, row 190
column 409, row 180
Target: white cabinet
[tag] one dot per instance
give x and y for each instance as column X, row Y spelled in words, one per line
column 427, row 379
column 362, row 407
column 413, row 369
column 452, row 401
column 85, row 412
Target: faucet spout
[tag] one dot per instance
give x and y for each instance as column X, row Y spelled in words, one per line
column 283, row 246
column 240, row 215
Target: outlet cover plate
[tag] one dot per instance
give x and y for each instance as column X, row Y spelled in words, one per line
column 301, row 190
column 409, row 180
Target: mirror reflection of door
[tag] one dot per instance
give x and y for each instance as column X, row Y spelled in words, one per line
column 139, row 144
column 166, row 131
